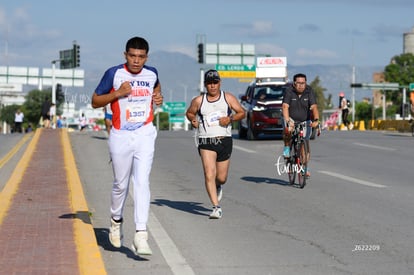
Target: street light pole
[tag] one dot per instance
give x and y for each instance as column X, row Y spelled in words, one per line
column 353, row 95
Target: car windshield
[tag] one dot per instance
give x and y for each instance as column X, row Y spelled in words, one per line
column 269, row 92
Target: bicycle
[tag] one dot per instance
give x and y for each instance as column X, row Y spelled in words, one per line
column 296, row 163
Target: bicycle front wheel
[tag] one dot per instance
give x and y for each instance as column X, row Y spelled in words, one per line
column 290, row 169
column 302, row 163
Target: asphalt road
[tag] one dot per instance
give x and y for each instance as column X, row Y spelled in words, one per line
column 355, row 216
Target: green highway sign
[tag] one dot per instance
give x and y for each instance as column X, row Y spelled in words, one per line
column 235, row 67
column 174, row 107
column 411, row 87
column 176, row 118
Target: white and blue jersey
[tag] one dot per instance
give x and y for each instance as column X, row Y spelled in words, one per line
column 135, row 110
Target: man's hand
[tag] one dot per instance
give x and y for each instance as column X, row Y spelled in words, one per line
column 225, row 121
column 315, row 124
column 124, row 90
column 157, row 98
column 194, row 123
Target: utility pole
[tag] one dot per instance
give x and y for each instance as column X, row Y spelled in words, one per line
column 353, row 95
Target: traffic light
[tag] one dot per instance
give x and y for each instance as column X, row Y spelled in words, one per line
column 58, row 88
column 200, row 47
column 356, row 85
column 76, row 55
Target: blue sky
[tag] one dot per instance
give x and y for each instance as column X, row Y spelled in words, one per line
column 362, row 32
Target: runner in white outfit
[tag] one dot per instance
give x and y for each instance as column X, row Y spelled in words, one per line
column 131, row 89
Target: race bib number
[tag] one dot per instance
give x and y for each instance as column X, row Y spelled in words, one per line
column 136, row 113
column 213, row 119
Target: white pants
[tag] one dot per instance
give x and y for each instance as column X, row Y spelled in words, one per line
column 132, row 153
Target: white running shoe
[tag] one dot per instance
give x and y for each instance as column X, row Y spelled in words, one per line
column 219, row 192
column 115, row 233
column 140, row 244
column 217, row 213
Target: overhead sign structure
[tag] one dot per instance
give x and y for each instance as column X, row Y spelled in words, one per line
column 235, row 67
column 237, row 74
column 19, row 75
column 11, row 88
column 67, row 77
column 236, row 70
column 32, row 76
column 216, row 53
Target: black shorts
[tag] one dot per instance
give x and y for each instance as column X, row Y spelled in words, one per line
column 223, row 146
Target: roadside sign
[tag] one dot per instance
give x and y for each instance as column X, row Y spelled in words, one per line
column 236, row 70
column 235, row 67
column 237, row 74
column 174, row 107
column 272, row 61
column 176, row 118
column 411, row 86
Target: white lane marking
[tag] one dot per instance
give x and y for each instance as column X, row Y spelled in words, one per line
column 169, row 250
column 362, row 182
column 243, row 149
column 374, row 147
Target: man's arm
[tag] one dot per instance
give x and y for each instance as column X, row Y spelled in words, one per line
column 191, row 112
column 157, row 97
column 285, row 111
column 101, row 100
column 236, row 107
column 315, row 112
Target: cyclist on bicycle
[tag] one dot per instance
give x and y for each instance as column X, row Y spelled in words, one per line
column 299, row 105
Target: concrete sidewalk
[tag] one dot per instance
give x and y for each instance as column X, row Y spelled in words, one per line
column 44, row 219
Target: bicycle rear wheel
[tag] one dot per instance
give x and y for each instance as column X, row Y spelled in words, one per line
column 301, row 163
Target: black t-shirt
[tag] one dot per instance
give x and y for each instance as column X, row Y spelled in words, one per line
column 299, row 107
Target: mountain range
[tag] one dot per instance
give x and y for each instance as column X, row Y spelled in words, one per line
column 180, row 78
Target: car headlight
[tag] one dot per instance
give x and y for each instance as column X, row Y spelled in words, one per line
column 259, row 108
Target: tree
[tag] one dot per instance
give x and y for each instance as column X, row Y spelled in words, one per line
column 7, row 113
column 319, row 93
column 33, row 105
column 34, row 101
column 400, row 70
column 363, row 111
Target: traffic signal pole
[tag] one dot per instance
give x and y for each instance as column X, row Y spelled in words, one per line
column 383, row 87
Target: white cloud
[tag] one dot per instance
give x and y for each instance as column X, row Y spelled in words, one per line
column 270, row 49
column 321, row 53
column 262, row 27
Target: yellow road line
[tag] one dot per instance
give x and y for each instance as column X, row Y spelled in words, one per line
column 89, row 256
column 13, row 151
column 12, row 184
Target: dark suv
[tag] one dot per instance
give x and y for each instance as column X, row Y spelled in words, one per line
column 263, row 104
